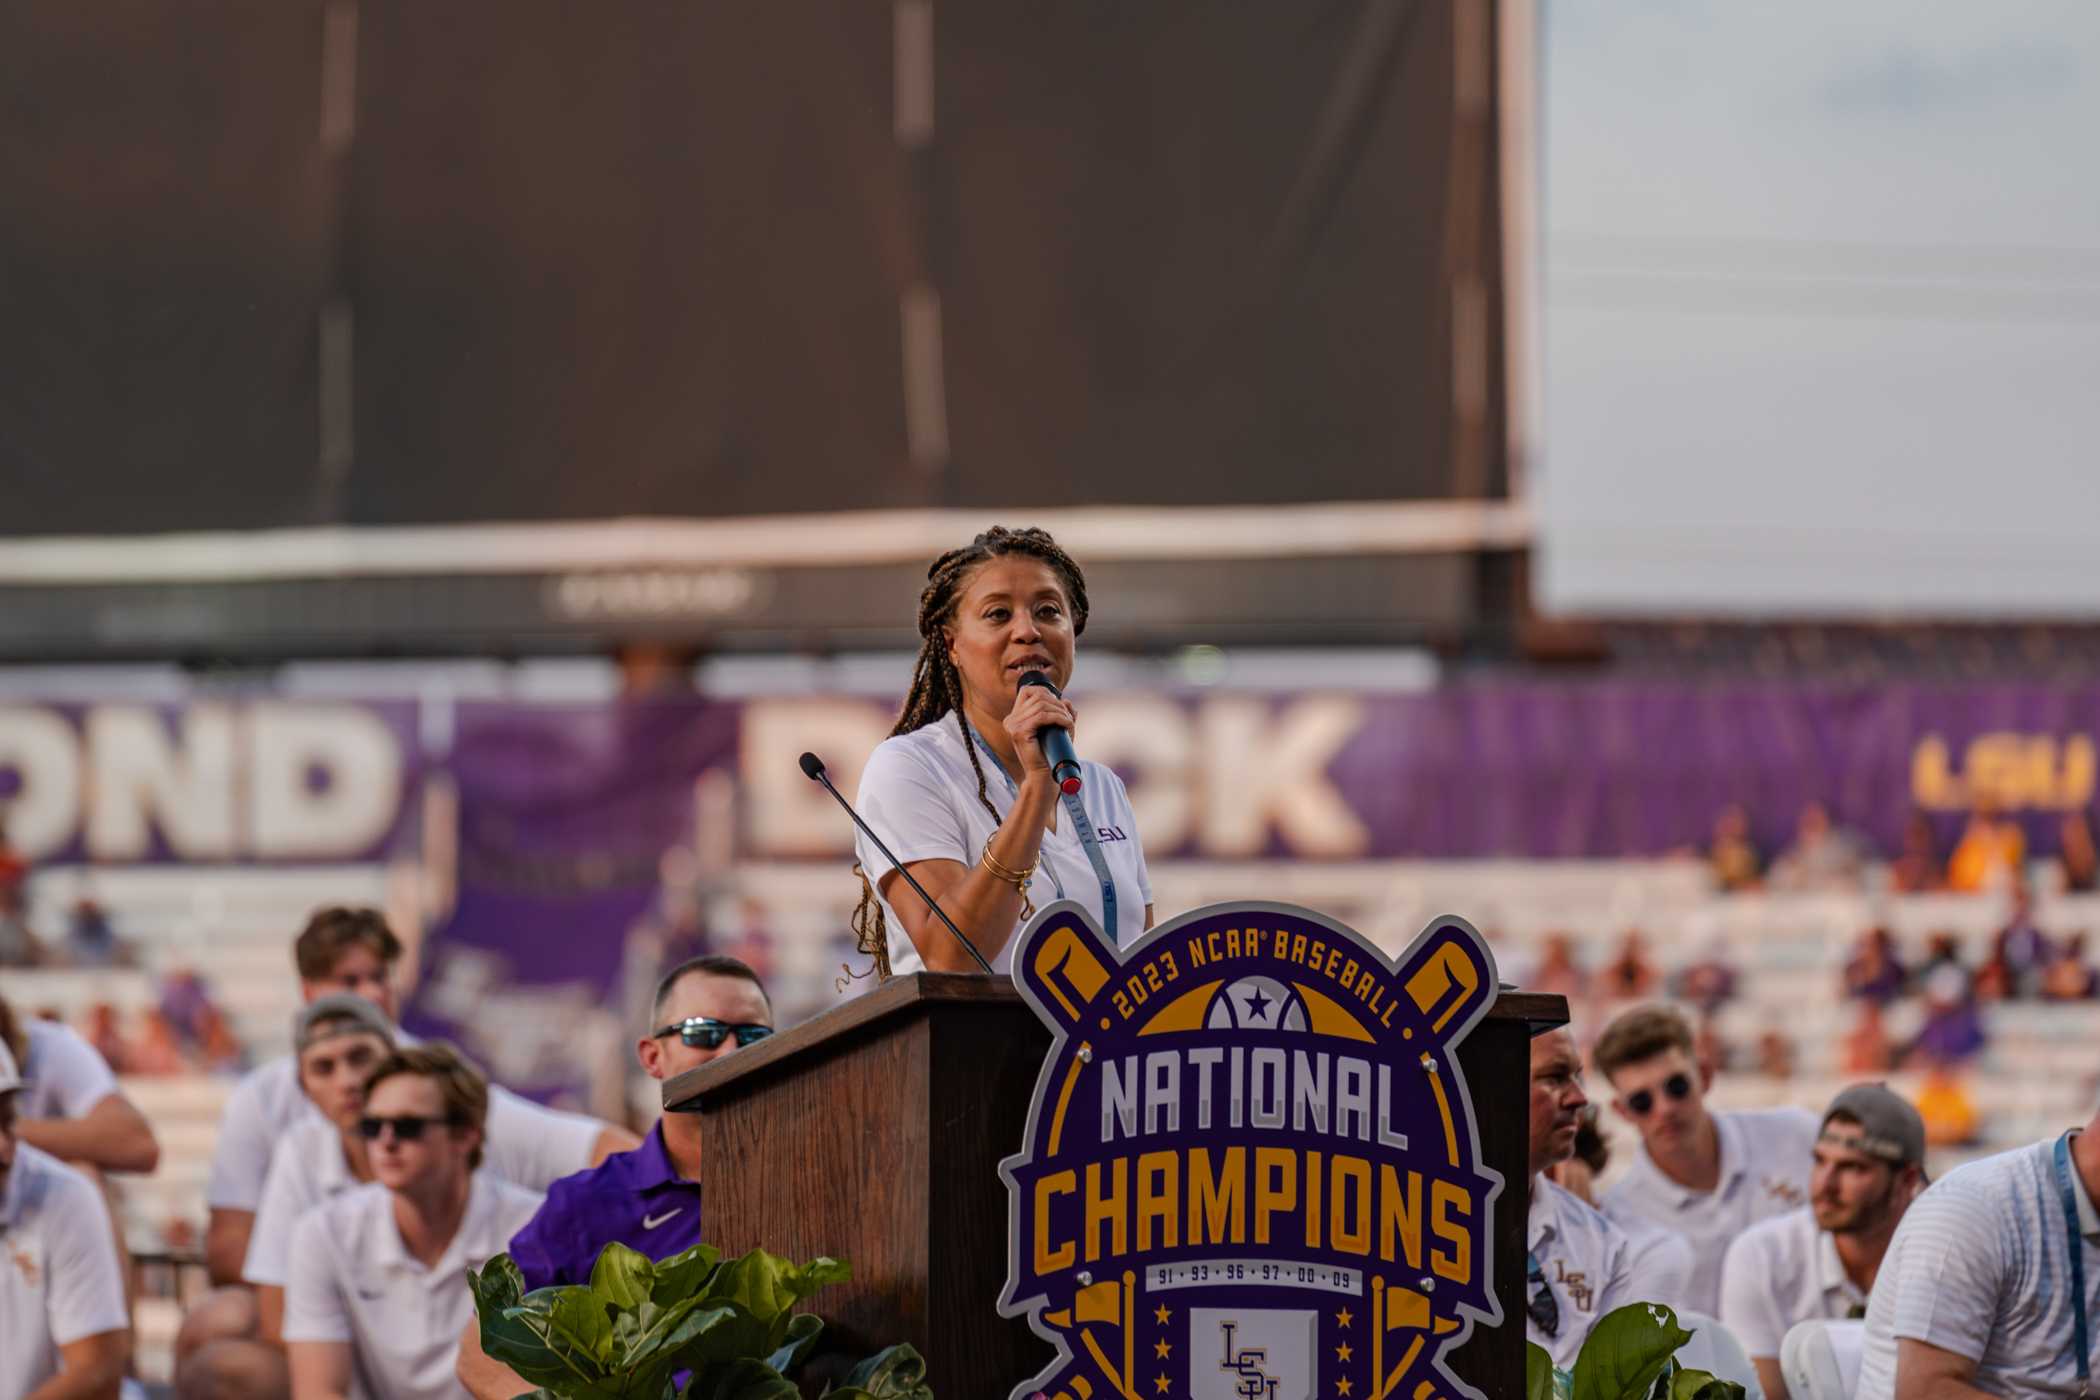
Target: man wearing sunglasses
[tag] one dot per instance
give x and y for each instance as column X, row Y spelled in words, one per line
column 1578, row 1265
column 647, row 1199
column 1821, row 1261
column 378, row 1290
column 1706, row 1176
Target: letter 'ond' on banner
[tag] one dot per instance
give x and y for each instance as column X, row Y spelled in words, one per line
column 1251, row 1169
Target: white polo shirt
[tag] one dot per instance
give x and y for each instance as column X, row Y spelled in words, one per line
column 309, row 1168
column 919, row 793
column 352, row 1280
column 1766, row 1157
column 60, row 1279
column 63, row 1076
column 1981, row 1267
column 268, row 1103
column 1779, row 1272
column 1586, row 1260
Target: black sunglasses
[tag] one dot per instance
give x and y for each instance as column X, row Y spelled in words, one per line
column 408, row 1127
column 705, row 1032
column 1677, row 1086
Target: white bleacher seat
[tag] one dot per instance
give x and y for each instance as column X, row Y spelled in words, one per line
column 1715, row 1350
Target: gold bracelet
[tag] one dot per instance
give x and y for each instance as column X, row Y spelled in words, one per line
column 1019, row 879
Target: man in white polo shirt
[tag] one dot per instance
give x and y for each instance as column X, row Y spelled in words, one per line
column 353, row 951
column 1976, row 1295
column 64, row 1330
column 71, row 1106
column 1820, row 1261
column 378, row 1291
column 1706, row 1176
column 1577, row 1265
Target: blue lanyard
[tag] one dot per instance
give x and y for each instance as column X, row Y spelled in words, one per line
column 2064, row 1188
column 1089, row 841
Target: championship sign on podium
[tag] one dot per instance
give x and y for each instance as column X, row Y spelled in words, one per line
column 1251, row 1167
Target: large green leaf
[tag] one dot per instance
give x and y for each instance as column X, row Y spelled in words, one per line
column 581, row 1317
column 516, row 1329
column 622, row 1277
column 896, row 1373
column 743, row 1379
column 802, row 1330
column 1626, row 1350
column 1701, row 1385
column 1538, row 1372
column 685, row 1274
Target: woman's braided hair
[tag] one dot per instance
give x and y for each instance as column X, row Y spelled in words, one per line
column 936, row 688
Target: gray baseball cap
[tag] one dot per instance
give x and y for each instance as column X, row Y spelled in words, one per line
column 1889, row 1128
column 338, row 1013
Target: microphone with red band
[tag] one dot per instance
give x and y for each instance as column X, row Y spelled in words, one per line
column 1055, row 741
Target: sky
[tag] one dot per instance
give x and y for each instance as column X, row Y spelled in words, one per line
column 1820, row 308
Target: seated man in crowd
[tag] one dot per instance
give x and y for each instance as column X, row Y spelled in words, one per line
column 1578, row 1264
column 1820, row 1261
column 70, row 1105
column 337, row 1041
column 647, row 1199
column 378, row 1291
column 340, row 950
column 1705, row 1176
column 64, row 1328
column 1980, row 1292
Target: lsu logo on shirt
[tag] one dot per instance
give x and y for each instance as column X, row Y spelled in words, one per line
column 1251, row 1170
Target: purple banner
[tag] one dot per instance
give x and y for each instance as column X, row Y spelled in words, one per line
column 577, row 859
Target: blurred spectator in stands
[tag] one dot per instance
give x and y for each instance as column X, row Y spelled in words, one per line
column 1991, row 852
column 2020, row 948
column 18, row 946
column 1945, row 1105
column 1942, row 949
column 185, row 1001
column 219, row 1050
column 1709, row 982
column 1823, row 856
column 1710, row 1048
column 1953, row 1029
column 750, row 939
column 14, row 870
column 1629, row 976
column 2075, row 855
column 1916, row 868
column 100, row 1030
column 1733, row 856
column 155, row 1049
column 1775, row 1054
column 1866, row 1048
column 91, row 941
column 1558, row 974
column 2070, row 977
column 1875, row 971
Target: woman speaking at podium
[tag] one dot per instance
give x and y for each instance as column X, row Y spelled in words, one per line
column 961, row 790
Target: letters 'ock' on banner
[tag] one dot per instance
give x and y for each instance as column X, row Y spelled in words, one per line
column 1251, row 1170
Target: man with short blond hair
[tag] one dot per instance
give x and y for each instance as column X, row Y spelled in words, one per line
column 378, row 1293
column 1707, row 1176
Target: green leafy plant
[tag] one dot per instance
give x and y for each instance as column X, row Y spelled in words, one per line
column 694, row 1326
column 1631, row 1354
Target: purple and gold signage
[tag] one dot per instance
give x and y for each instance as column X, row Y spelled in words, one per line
column 1251, row 1170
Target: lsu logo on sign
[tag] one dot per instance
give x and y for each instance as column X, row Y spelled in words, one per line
column 1251, row 1170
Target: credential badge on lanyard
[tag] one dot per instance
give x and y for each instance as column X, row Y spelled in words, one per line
column 1089, row 841
column 2064, row 1187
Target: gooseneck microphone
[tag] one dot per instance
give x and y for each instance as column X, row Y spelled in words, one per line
column 1055, row 740
column 813, row 767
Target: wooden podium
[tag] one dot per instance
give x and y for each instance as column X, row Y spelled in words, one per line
column 873, row 1133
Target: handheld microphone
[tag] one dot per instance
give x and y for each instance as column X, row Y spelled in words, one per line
column 813, row 767
column 1055, row 741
